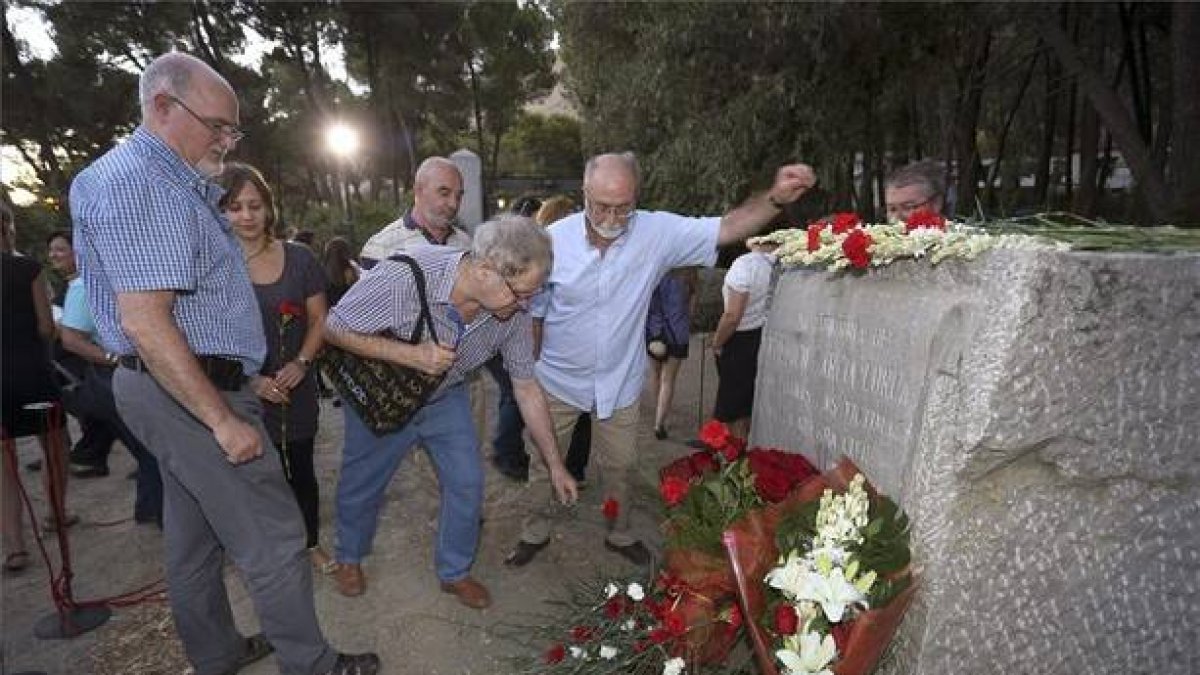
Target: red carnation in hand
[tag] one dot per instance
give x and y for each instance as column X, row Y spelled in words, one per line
column 844, row 222
column 610, row 509
column 855, row 247
column 289, row 308
column 924, row 218
column 786, row 619
column 555, row 654
column 673, row 490
column 814, row 235
column 714, row 434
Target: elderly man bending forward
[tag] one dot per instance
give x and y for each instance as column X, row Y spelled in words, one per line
column 482, row 295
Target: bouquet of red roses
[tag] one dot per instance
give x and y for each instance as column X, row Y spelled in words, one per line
column 704, row 493
column 823, row 575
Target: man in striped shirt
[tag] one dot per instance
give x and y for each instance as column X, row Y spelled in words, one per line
column 479, row 305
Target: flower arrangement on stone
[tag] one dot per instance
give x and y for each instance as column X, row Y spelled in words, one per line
column 840, row 557
column 706, row 491
column 289, row 313
column 625, row 625
column 843, row 240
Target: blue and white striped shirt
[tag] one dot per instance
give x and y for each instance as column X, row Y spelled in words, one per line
column 385, row 298
column 147, row 221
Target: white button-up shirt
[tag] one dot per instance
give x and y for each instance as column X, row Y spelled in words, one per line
column 594, row 306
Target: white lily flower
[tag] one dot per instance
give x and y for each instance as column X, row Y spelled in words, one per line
column 629, row 625
column 635, row 592
column 577, row 652
column 611, row 589
column 608, row 653
column 673, row 666
column 832, row 592
column 807, row 654
column 789, row 577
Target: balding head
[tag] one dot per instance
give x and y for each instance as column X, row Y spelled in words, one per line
column 191, row 108
column 613, row 170
column 175, row 74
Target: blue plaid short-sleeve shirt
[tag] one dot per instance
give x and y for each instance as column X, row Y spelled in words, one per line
column 147, row 221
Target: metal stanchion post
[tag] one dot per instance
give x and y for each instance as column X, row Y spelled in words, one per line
column 69, row 619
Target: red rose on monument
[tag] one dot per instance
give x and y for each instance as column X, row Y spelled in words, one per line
column 683, row 468
column 855, row 247
column 702, row 462
column 614, row 607
column 673, row 490
column 555, row 654
column 772, row 485
column 786, row 620
column 714, row 434
column 844, row 222
column 924, row 218
column 611, row 509
column 582, row 633
column 814, row 235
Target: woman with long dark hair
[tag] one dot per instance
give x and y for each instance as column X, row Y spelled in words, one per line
column 290, row 287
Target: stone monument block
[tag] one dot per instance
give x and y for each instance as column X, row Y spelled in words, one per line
column 470, row 211
column 1037, row 413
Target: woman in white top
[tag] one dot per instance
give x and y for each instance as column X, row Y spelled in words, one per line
column 739, row 334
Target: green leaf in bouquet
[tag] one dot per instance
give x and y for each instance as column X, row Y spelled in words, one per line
column 885, row 547
column 797, row 528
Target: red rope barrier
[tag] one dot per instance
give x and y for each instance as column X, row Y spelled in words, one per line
column 61, row 591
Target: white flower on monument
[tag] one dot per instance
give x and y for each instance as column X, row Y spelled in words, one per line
column 635, row 592
column 807, row 654
column 673, row 666
column 789, row 577
column 611, row 589
column 578, row 653
column 831, row 591
column 608, row 653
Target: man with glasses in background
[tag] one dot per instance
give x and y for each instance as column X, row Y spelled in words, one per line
column 920, row 186
column 478, row 302
column 590, row 322
column 171, row 297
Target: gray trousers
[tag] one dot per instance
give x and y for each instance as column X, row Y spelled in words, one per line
column 211, row 506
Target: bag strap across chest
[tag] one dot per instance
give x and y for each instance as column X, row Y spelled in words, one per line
column 426, row 318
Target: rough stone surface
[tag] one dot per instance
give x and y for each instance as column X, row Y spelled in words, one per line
column 1038, row 416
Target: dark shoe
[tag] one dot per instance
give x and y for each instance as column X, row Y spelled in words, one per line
column 88, row 471
column 469, row 592
column 660, row 433
column 512, row 471
column 354, row 664
column 350, row 580
column 523, row 553
column 257, row 649
column 635, row 553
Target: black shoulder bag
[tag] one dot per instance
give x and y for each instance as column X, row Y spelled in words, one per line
column 384, row 395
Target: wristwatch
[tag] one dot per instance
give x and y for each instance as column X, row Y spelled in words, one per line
column 306, row 362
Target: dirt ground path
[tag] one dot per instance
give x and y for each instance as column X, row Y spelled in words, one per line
column 415, row 628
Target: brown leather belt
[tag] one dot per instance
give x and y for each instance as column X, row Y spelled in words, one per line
column 225, row 374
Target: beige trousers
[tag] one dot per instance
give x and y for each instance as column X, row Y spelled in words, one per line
column 614, row 449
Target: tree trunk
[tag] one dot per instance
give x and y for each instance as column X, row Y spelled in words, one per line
column 971, row 98
column 1041, row 181
column 994, row 174
column 1184, row 166
column 1116, row 119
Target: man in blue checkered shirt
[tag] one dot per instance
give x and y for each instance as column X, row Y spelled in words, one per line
column 172, row 299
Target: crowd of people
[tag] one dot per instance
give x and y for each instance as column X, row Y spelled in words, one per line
column 190, row 332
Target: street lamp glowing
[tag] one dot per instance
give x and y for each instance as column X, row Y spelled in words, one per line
column 341, row 139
